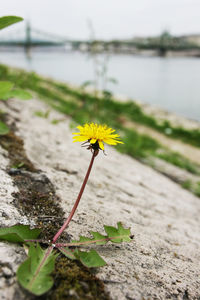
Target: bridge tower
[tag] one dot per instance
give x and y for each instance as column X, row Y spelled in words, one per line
column 28, row 37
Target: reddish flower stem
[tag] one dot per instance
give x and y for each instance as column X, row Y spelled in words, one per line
column 60, row 231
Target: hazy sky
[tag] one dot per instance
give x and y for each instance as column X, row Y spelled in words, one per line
column 110, row 18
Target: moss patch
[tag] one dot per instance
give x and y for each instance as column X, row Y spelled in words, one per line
column 37, row 200
column 73, row 281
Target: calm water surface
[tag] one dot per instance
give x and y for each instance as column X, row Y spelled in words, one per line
column 170, row 83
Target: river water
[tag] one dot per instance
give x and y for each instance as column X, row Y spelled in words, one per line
column 170, row 83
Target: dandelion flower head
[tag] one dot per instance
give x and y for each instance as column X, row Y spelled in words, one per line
column 96, row 135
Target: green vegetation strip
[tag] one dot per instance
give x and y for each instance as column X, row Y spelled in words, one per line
column 129, row 109
column 84, row 107
column 193, row 187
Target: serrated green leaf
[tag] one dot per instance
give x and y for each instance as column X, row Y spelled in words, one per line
column 116, row 235
column 99, row 238
column 34, row 273
column 124, row 233
column 90, row 259
column 5, row 88
column 112, row 232
column 121, row 232
column 67, row 252
column 18, row 233
column 3, row 128
column 9, row 20
column 20, row 94
column 81, row 241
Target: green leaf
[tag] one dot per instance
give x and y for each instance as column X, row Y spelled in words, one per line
column 124, row 233
column 18, row 233
column 113, row 233
column 34, row 273
column 67, row 252
column 6, row 92
column 82, row 240
column 3, row 128
column 99, row 238
column 116, row 235
column 9, row 20
column 20, row 94
column 5, row 88
column 90, row 259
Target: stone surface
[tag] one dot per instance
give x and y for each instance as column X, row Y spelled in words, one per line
column 163, row 260
column 175, row 173
column 10, row 255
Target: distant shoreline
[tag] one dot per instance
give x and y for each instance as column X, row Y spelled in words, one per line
column 135, row 52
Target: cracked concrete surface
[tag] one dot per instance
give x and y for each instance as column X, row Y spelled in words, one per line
column 163, row 260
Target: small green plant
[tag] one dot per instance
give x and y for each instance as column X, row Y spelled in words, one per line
column 34, row 274
column 194, row 187
column 7, row 89
column 42, row 114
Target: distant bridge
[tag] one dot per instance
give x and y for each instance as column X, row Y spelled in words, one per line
column 31, row 37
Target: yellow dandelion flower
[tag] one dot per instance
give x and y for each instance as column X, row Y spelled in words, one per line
column 96, row 135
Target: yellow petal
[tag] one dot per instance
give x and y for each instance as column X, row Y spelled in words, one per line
column 93, row 141
column 80, row 138
column 101, row 145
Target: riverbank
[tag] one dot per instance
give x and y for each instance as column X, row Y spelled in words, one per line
column 146, row 136
column 152, row 52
